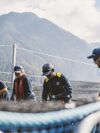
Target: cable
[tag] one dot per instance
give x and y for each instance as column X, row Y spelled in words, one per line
column 35, row 76
column 7, row 81
column 27, row 74
column 9, row 73
column 64, row 58
column 6, row 72
column 5, row 45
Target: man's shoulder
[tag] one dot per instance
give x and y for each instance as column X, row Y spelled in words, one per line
column 58, row 74
column 26, row 78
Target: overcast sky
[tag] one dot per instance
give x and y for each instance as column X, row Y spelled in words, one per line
column 80, row 17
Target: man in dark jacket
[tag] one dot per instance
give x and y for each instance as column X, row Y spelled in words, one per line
column 22, row 88
column 55, row 86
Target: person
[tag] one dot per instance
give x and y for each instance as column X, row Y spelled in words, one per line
column 55, row 87
column 4, row 94
column 96, row 58
column 22, row 87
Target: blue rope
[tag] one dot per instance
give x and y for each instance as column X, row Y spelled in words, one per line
column 49, row 122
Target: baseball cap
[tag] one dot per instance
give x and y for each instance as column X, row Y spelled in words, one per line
column 18, row 69
column 46, row 69
column 95, row 53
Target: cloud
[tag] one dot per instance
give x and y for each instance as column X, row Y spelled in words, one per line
column 77, row 16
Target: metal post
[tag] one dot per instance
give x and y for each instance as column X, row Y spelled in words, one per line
column 13, row 62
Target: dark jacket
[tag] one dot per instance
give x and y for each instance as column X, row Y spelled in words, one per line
column 57, row 87
column 22, row 89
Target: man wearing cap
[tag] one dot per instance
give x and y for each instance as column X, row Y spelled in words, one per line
column 55, row 87
column 22, row 88
column 96, row 58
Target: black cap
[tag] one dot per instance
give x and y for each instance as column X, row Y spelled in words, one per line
column 46, row 69
column 95, row 53
column 18, row 69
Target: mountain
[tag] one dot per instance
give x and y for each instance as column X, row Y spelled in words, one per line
column 43, row 41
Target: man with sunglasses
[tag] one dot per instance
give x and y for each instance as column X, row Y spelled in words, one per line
column 96, row 58
column 55, row 87
column 22, row 88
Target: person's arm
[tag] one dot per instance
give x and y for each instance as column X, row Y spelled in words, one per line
column 44, row 93
column 4, row 90
column 28, row 93
column 67, row 87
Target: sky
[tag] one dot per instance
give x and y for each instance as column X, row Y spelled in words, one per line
column 80, row 17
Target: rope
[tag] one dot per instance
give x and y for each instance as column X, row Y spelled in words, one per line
column 59, row 57
column 6, row 72
column 41, row 53
column 5, row 45
column 35, row 76
column 7, row 81
column 59, row 121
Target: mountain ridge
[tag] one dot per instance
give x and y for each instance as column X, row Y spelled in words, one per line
column 31, row 32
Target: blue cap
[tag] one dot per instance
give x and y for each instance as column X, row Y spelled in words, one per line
column 95, row 53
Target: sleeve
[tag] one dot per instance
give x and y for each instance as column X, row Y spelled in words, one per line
column 44, row 92
column 27, row 84
column 67, row 87
column 28, row 89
